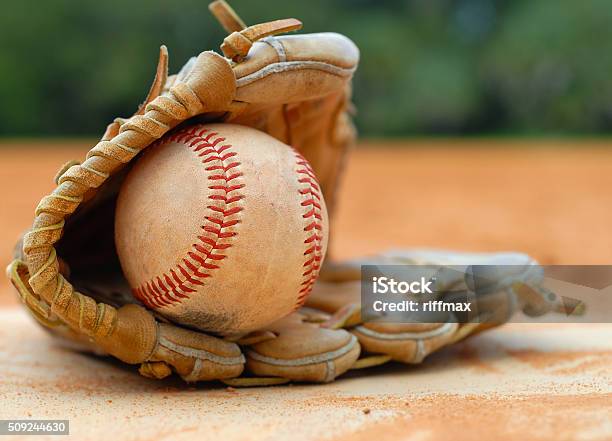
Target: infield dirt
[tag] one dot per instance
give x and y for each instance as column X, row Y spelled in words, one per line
column 522, row 381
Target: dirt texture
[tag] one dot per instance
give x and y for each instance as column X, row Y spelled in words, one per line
column 521, row 381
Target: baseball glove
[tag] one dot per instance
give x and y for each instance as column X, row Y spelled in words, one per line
column 295, row 88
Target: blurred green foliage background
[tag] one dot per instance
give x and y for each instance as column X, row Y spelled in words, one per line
column 456, row 67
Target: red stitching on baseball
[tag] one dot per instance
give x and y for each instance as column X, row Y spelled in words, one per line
column 178, row 283
column 314, row 249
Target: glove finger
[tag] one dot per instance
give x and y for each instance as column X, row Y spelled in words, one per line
column 407, row 342
column 194, row 356
column 382, row 342
column 303, row 351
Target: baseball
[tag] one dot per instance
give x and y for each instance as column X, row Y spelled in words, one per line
column 221, row 227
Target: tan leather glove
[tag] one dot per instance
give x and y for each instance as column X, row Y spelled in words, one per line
column 297, row 348
column 513, row 283
column 296, row 88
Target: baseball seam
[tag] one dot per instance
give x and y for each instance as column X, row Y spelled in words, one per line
column 311, row 201
column 217, row 233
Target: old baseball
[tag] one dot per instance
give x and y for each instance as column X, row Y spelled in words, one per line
column 221, row 227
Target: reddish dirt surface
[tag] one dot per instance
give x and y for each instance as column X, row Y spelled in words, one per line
column 548, row 199
column 521, row 381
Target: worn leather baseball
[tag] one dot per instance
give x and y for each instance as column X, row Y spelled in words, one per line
column 221, row 227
